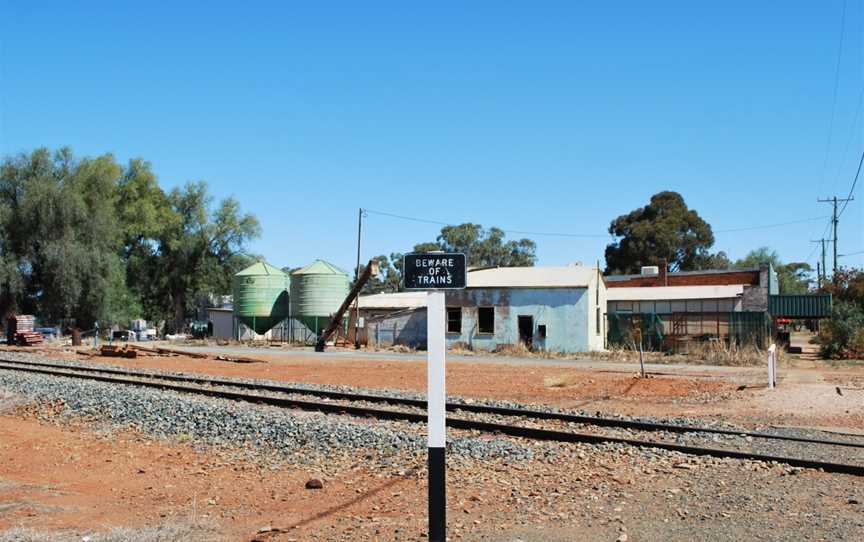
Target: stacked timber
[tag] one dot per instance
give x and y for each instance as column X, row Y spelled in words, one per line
column 29, row 338
column 20, row 330
column 118, row 352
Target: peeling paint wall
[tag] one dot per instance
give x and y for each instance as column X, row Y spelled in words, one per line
column 564, row 311
column 407, row 328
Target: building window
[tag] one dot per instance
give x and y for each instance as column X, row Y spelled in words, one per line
column 541, row 331
column 454, row 319
column 486, row 320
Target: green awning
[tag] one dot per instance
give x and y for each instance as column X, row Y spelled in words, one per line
column 800, row 306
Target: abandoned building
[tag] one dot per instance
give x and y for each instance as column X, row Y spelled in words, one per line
column 558, row 309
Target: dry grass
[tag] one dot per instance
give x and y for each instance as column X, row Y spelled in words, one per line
column 461, row 349
column 559, row 381
column 518, row 349
column 169, row 532
column 720, row 353
column 401, row 349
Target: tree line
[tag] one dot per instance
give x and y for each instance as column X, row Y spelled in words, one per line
column 86, row 240
column 663, row 230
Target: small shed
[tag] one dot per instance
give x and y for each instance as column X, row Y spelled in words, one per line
column 223, row 322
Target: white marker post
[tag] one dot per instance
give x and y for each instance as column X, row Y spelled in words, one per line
column 772, row 366
column 436, row 413
column 435, row 272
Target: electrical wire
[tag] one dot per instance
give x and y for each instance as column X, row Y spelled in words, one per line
column 854, row 182
column 519, row 232
column 834, row 99
column 583, row 235
column 850, row 254
column 766, row 226
column 852, row 133
column 816, row 247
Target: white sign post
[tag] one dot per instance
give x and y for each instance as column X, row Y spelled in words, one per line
column 772, row 366
column 436, row 413
column 436, row 272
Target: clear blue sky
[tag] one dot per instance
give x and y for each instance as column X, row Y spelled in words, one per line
column 539, row 116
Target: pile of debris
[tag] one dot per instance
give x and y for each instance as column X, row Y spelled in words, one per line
column 19, row 330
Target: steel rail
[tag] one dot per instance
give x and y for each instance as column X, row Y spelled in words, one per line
column 456, row 423
column 421, row 403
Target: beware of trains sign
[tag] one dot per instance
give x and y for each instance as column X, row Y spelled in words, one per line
column 434, row 271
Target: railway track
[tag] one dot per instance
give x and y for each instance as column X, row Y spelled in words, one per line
column 258, row 393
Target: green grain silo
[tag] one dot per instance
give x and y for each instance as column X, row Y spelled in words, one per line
column 261, row 296
column 317, row 291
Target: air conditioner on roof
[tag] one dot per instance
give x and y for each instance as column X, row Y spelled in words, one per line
column 650, row 270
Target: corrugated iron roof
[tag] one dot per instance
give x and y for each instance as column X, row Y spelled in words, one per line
column 576, row 276
column 658, row 293
column 400, row 300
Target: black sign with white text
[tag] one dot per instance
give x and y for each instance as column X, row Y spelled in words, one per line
column 434, row 271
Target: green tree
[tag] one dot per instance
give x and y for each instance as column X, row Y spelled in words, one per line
column 201, row 250
column 85, row 239
column 145, row 215
column 378, row 283
column 483, row 248
column 61, row 236
column 718, row 260
column 843, row 335
column 664, row 229
column 846, row 285
column 792, row 278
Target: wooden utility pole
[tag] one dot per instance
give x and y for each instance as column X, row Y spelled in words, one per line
column 821, row 272
column 356, row 328
column 834, row 220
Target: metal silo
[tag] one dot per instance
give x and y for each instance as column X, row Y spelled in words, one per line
column 317, row 291
column 261, row 296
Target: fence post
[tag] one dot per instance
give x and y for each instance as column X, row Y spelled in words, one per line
column 772, row 366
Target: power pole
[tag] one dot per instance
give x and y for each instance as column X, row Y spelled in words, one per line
column 834, row 201
column 821, row 272
column 819, row 275
column 356, row 278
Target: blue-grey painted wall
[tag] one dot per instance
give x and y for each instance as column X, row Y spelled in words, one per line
column 564, row 312
column 407, row 328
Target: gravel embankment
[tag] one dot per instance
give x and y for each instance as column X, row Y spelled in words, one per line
column 226, row 423
column 291, row 438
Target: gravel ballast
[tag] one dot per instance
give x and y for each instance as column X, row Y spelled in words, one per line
column 170, row 414
column 505, row 447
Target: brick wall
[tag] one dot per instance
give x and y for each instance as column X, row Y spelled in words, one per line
column 708, row 279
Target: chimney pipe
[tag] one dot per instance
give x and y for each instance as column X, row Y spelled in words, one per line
column 664, row 265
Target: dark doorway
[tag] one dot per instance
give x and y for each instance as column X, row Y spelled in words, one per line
column 526, row 330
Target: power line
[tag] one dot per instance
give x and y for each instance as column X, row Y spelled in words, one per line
column 519, row 232
column 822, row 236
column 767, row 226
column 582, row 235
column 851, row 254
column 854, row 182
column 852, row 133
column 834, row 99
column 835, row 218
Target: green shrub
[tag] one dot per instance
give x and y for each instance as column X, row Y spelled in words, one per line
column 842, row 337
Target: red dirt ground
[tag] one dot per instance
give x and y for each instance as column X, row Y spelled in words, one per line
column 55, row 478
column 561, row 386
